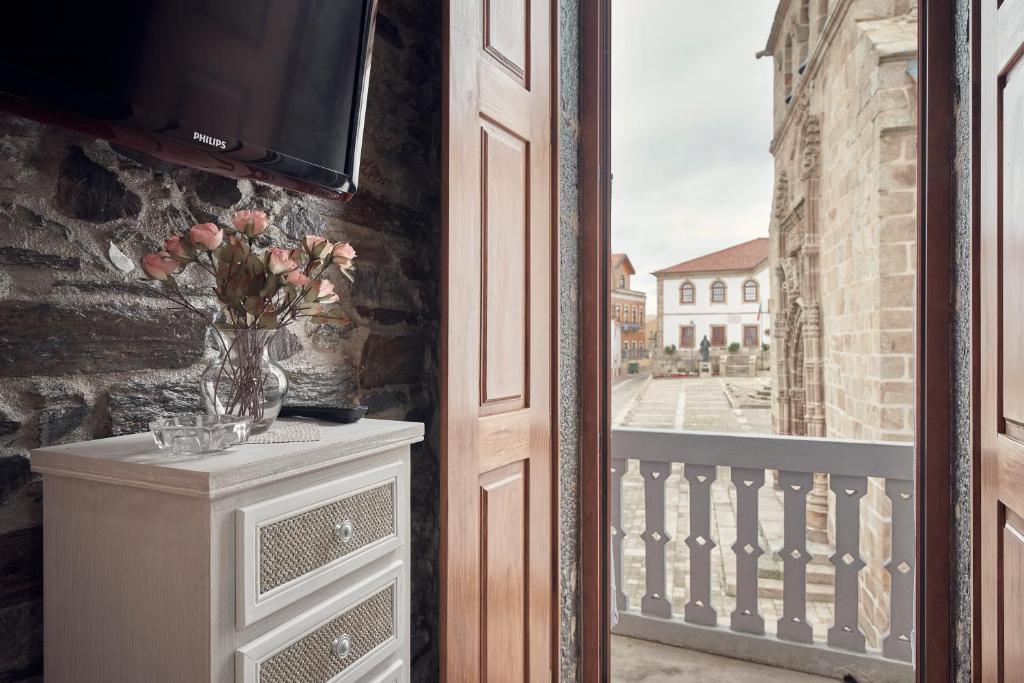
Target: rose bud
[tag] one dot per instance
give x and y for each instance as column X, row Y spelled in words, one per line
column 318, row 247
column 179, row 248
column 206, row 236
column 280, row 261
column 297, row 278
column 250, row 223
column 342, row 254
column 324, row 290
column 159, row 266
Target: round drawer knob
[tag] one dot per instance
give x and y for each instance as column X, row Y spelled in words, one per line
column 342, row 646
column 345, row 531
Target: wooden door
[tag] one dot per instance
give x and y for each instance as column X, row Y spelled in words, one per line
column 1002, row 335
column 498, row 512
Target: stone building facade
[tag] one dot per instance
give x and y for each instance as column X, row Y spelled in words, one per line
column 629, row 310
column 842, row 233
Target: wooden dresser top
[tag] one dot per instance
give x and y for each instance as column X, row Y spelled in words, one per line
column 134, row 460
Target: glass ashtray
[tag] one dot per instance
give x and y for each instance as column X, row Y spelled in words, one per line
column 200, row 434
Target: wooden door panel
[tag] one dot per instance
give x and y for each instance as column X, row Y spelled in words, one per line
column 1001, row 282
column 1011, row 137
column 505, row 524
column 505, row 165
column 497, row 463
column 506, row 34
column 1013, row 593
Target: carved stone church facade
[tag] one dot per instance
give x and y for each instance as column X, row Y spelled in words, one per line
column 842, row 235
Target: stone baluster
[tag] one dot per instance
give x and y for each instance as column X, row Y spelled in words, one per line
column 896, row 644
column 793, row 624
column 699, row 609
column 619, row 468
column 654, row 602
column 845, row 632
column 747, row 548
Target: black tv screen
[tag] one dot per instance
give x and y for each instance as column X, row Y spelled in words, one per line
column 270, row 89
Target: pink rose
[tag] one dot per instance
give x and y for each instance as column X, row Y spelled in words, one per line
column 297, row 278
column 174, row 247
column 280, row 261
column 310, row 241
column 342, row 254
column 206, row 235
column 324, row 291
column 159, row 266
column 317, row 246
column 250, row 222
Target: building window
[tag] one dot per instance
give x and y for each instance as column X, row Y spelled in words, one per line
column 618, row 312
column 750, row 291
column 687, row 337
column 686, row 293
column 718, row 335
column 718, row 292
column 750, row 336
column 622, row 282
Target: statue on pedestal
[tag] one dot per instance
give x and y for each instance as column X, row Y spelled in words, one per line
column 705, row 349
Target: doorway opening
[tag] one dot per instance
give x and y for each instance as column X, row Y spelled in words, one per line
column 762, row 354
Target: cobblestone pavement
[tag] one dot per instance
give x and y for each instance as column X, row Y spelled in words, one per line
column 702, row 405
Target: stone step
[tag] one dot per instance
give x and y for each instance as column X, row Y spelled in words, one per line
column 816, row 573
column 772, row 589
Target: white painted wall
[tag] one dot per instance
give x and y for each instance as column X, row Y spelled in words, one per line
column 734, row 313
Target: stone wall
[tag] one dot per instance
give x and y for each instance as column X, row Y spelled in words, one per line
column 963, row 351
column 568, row 339
column 87, row 351
column 844, row 250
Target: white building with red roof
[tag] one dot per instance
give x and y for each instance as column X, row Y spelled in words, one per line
column 723, row 295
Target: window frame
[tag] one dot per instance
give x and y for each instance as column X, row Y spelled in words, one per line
column 688, row 285
column 757, row 290
column 757, row 336
column 725, row 336
column 693, row 336
column 725, row 291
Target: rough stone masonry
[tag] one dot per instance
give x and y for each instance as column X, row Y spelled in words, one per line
column 88, row 351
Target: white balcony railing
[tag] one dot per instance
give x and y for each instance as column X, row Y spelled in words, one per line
column 696, row 625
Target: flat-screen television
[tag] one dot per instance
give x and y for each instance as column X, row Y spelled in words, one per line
column 273, row 90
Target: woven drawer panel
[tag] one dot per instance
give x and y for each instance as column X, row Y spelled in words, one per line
column 297, row 545
column 312, row 660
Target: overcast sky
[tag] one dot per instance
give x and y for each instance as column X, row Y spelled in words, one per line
column 691, row 125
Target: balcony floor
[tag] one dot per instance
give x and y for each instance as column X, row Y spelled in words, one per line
column 636, row 661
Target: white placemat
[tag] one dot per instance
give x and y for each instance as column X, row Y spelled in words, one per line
column 287, row 431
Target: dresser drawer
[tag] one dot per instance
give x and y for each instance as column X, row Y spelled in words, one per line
column 390, row 673
column 292, row 545
column 339, row 640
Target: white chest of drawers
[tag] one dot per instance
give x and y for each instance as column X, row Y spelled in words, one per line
column 283, row 563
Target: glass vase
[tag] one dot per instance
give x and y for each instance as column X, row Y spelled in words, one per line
column 244, row 380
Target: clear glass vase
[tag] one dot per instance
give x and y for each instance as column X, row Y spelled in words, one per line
column 244, row 380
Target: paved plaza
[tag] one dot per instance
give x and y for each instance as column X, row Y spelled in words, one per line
column 640, row 661
column 703, row 405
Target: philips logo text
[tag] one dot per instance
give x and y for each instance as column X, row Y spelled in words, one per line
column 209, row 140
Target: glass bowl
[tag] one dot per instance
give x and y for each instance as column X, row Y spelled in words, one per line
column 200, row 434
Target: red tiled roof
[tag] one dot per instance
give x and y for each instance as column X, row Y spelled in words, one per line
column 745, row 256
column 617, row 260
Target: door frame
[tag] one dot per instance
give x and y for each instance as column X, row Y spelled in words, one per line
column 934, row 639
column 595, row 338
column 934, row 342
